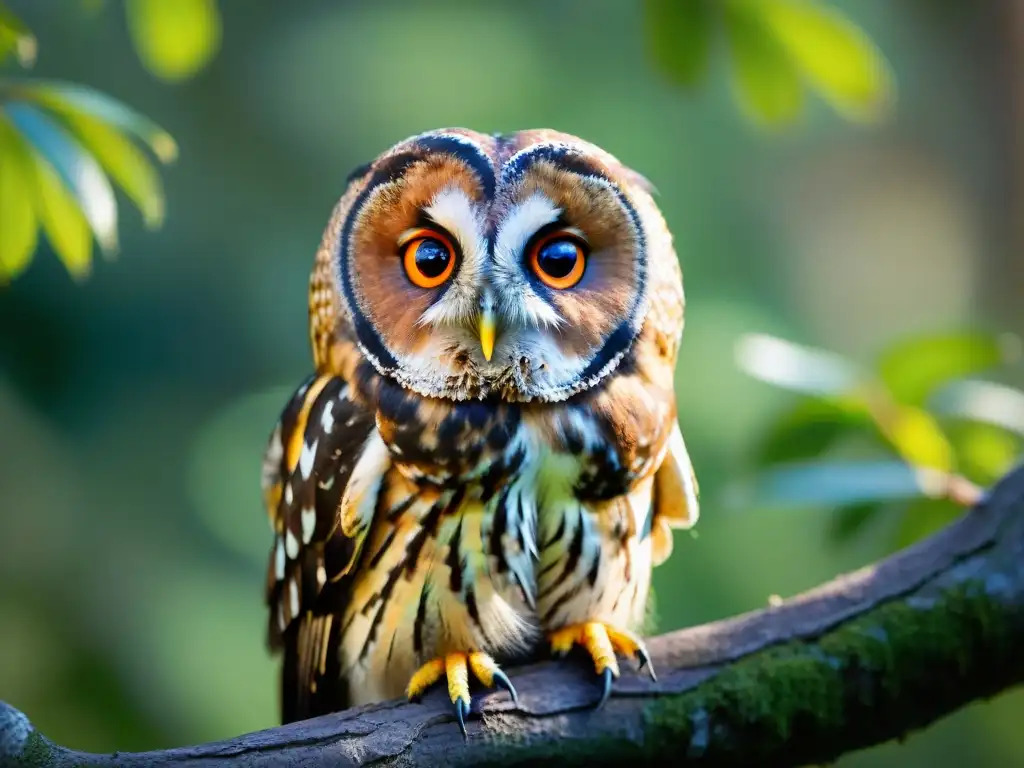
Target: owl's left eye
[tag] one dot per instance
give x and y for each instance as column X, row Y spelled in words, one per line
column 428, row 257
column 559, row 260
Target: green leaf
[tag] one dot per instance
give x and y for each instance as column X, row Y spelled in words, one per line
column 833, row 54
column 764, row 78
column 62, row 220
column 794, row 367
column 923, row 517
column 68, row 99
column 125, row 163
column 827, row 483
column 917, row 438
column 175, row 39
column 16, row 38
column 984, row 452
column 850, row 520
column 679, row 37
column 982, row 401
column 18, row 231
column 78, row 170
column 914, row 368
column 809, row 429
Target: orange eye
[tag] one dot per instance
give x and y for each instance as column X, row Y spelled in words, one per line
column 558, row 260
column 428, row 257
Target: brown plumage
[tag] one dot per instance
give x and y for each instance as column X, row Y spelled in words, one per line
column 488, row 451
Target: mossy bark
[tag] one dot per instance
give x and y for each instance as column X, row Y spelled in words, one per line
column 869, row 657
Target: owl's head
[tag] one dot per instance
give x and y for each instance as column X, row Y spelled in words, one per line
column 515, row 267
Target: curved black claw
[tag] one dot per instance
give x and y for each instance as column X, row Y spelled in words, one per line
column 606, row 681
column 501, row 679
column 461, row 710
column 645, row 661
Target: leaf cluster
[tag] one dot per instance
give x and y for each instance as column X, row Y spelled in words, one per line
column 64, row 147
column 915, row 435
column 777, row 49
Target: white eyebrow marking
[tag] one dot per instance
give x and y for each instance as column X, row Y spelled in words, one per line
column 520, row 225
column 518, row 301
column 453, row 210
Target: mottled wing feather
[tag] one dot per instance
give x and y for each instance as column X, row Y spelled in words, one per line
column 321, row 474
column 676, row 494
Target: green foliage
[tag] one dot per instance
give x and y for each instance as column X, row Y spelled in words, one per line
column 679, row 36
column 943, row 434
column 777, row 48
column 16, row 39
column 64, row 147
column 174, row 40
column 61, row 145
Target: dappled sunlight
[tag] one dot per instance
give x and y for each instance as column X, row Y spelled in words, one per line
column 841, row 383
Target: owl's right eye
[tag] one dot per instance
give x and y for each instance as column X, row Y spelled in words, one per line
column 428, row 257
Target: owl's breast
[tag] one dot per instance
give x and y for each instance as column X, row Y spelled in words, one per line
column 449, row 443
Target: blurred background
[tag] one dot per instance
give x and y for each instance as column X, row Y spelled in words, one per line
column 135, row 404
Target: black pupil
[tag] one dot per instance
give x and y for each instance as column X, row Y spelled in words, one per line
column 432, row 257
column 558, row 257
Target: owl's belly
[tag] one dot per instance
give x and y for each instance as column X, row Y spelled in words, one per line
column 594, row 561
column 429, row 584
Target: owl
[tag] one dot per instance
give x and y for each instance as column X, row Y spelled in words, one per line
column 486, row 462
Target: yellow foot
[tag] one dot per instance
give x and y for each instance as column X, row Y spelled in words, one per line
column 602, row 642
column 457, row 666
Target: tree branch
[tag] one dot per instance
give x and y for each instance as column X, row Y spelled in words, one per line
column 855, row 662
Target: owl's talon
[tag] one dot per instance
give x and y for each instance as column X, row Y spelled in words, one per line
column 456, row 667
column 606, row 686
column 461, row 710
column 602, row 643
column 502, row 681
column 644, row 659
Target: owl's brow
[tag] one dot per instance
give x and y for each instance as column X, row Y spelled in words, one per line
column 562, row 156
column 393, row 167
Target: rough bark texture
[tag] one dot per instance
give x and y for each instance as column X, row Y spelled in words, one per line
column 863, row 659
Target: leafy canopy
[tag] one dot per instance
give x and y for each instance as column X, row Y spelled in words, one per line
column 65, row 147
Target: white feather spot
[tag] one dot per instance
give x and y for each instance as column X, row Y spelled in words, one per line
column 272, row 459
column 327, row 419
column 321, row 575
column 288, row 494
column 279, row 559
column 291, row 545
column 308, row 524
column 360, row 497
column 306, row 458
column 293, row 596
column 327, row 484
column 350, row 421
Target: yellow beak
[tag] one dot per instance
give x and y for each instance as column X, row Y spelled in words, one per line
column 486, row 327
